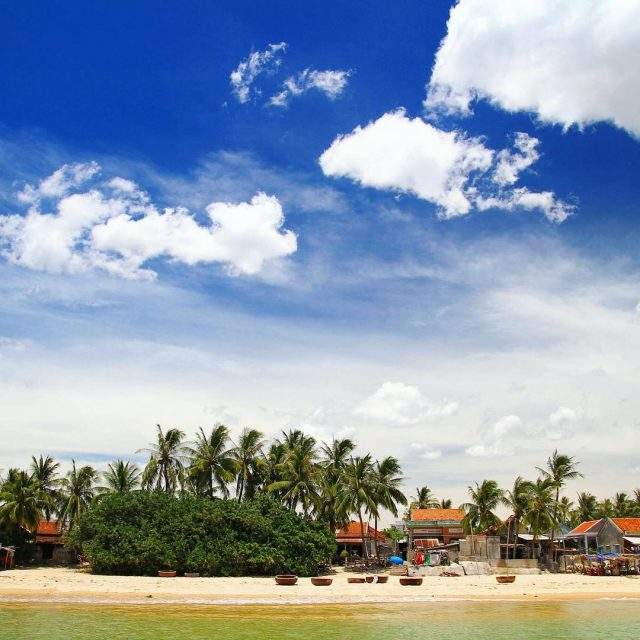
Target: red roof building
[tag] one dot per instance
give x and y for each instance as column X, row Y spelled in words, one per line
column 351, row 533
column 615, row 535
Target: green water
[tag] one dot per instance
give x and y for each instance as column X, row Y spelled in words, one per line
column 436, row 621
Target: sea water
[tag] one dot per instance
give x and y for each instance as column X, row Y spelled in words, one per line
column 606, row 619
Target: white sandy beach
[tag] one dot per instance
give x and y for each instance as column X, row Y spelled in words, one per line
column 69, row 585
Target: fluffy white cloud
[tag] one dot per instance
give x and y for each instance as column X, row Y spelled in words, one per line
column 399, row 404
column 446, row 168
column 495, row 440
column 121, row 231
column 424, row 452
column 244, row 75
column 60, row 182
column 568, row 62
column 409, row 155
column 331, row 82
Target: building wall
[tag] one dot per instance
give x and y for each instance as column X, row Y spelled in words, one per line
column 610, row 536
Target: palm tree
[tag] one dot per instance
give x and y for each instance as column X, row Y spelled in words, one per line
column 565, row 511
column 165, row 469
column 120, row 477
column 77, row 492
column 622, row 506
column 358, row 492
column 44, row 472
column 299, row 475
column 587, row 506
column 479, row 511
column 334, row 459
column 247, row 458
column 424, row 499
column 606, row 509
column 271, row 464
column 387, row 478
column 559, row 469
column 542, row 508
column 517, row 500
column 446, row 503
column 21, row 503
column 212, row 461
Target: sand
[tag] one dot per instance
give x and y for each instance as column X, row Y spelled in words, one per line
column 73, row 586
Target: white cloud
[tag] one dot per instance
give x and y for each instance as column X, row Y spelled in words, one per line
column 510, row 163
column 495, row 440
column 399, row 404
column 571, row 63
column 331, row 82
column 425, row 452
column 446, row 168
column 60, row 182
column 244, row 75
column 121, row 231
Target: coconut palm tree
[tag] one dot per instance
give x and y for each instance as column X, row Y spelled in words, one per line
column 387, row 478
column 559, row 469
column 20, row 501
column 299, row 475
column 479, row 511
column 120, row 477
column 213, row 464
column 424, row 499
column 165, row 469
column 44, row 472
column 517, row 500
column 446, row 503
column 542, row 508
column 587, row 507
column 332, row 464
column 77, row 491
column 247, row 457
column 606, row 509
column 622, row 506
column 358, row 492
column 565, row 511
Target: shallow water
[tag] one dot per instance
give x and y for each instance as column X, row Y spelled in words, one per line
column 435, row 621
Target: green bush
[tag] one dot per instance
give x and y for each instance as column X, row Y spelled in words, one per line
column 141, row 532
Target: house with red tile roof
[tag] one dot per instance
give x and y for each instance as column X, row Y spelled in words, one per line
column 350, row 537
column 616, row 535
column 428, row 528
column 50, row 542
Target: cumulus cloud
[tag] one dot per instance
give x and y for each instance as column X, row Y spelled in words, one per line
column 330, row 82
column 456, row 172
column 425, row 452
column 495, row 440
column 114, row 227
column 256, row 63
column 399, row 404
column 59, row 183
column 571, row 63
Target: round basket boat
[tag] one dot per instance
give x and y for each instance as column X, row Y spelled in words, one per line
column 166, row 574
column 286, row 580
column 382, row 579
column 356, row 580
column 191, row 574
column 321, row 581
column 505, row 579
column 410, row 581
column 370, row 579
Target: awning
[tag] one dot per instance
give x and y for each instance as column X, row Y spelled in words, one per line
column 529, row 537
column 633, row 539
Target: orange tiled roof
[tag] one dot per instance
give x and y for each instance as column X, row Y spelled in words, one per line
column 437, row 514
column 584, row 526
column 352, row 530
column 628, row 525
column 48, row 528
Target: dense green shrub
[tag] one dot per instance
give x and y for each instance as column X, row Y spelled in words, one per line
column 141, row 532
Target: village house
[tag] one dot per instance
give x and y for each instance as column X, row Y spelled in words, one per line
column 50, row 543
column 430, row 528
column 350, row 536
column 607, row 535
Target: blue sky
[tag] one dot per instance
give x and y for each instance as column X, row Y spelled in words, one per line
column 409, row 276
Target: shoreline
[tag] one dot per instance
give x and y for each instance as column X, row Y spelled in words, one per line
column 56, row 586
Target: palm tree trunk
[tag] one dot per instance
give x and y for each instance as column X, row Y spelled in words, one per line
column 553, row 531
column 365, row 554
column 375, row 538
